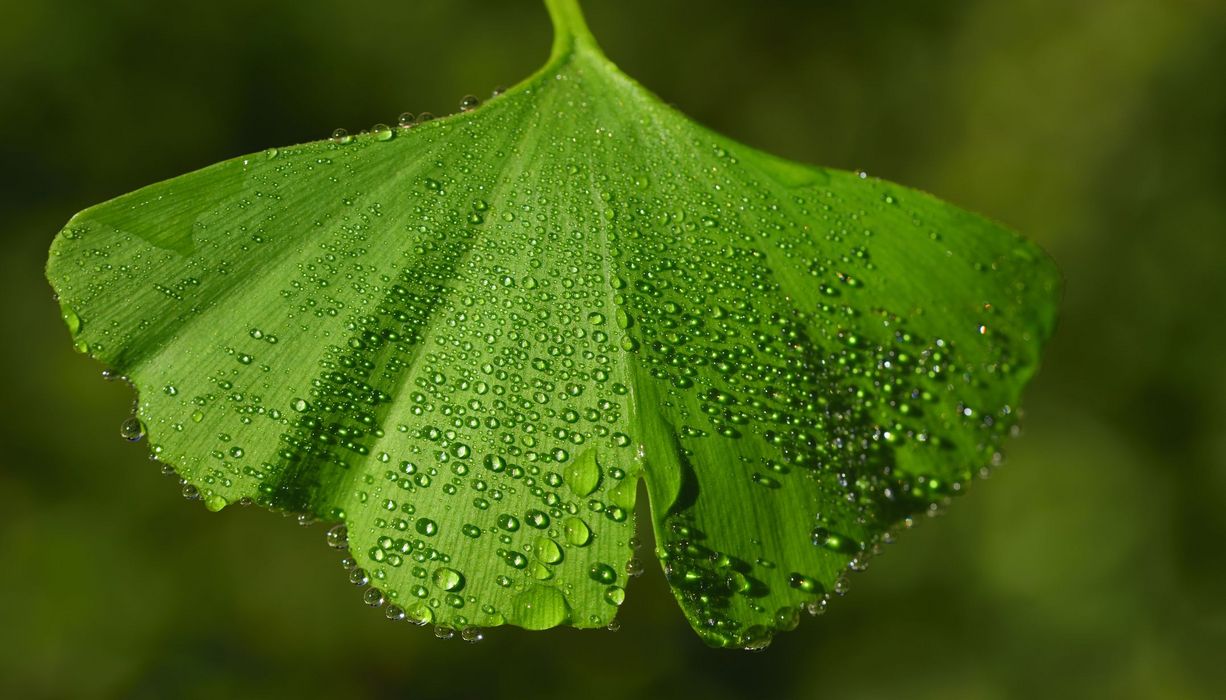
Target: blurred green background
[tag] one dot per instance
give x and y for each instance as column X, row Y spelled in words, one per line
column 1090, row 565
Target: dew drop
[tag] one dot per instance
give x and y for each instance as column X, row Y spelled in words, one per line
column 72, row 320
column 803, row 583
column 583, row 473
column 448, row 579
column 576, row 532
column 539, row 607
column 602, row 573
column 547, row 550
column 337, row 536
column 615, row 595
column 426, row 527
column 132, row 429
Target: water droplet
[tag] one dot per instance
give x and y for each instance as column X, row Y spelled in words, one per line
column 547, row 550
column 537, row 519
column 836, row 543
column 405, row 119
column 576, row 532
column 72, row 320
column 448, row 579
column 583, row 473
column 132, row 429
column 539, row 607
column 602, row 573
column 615, row 595
column 337, row 536
column 803, row 583
column 426, row 527
column 341, row 136
column 469, row 102
column 419, row 614
column 381, row 132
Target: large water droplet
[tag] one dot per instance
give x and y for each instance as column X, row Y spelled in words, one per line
column 576, row 532
column 583, row 473
column 539, row 607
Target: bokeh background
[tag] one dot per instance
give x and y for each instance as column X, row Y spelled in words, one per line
column 1090, row 565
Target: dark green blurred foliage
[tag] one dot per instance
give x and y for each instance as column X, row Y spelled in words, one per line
column 1090, row 565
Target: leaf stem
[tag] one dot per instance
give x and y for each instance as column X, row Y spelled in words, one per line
column 569, row 27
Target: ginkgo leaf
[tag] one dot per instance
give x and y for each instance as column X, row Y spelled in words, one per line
column 468, row 340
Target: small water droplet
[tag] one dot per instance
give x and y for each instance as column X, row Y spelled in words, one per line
column 426, row 527
column 72, row 320
column 337, row 536
column 602, row 573
column 132, row 429
column 615, row 595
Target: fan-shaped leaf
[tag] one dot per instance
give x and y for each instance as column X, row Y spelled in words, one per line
column 470, row 339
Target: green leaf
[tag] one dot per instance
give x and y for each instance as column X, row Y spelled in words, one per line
column 469, row 340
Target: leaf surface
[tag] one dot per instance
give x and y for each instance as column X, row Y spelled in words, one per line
column 469, row 340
